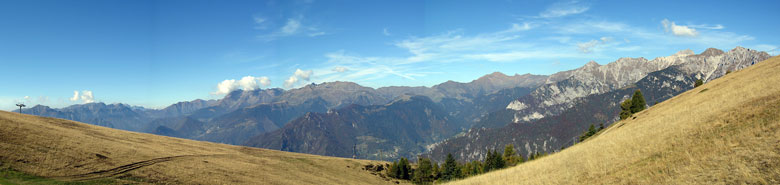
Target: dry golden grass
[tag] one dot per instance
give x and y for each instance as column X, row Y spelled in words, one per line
column 726, row 134
column 72, row 151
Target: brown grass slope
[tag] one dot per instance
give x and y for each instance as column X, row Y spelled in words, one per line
column 724, row 132
column 73, row 151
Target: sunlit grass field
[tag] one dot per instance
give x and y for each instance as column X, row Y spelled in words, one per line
column 37, row 150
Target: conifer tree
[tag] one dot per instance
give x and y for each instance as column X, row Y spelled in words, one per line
column 394, row 171
column 500, row 163
column 509, row 155
column 424, row 172
column 486, row 166
column 466, row 170
column 591, row 131
column 404, row 169
column 493, row 161
column 625, row 109
column 478, row 167
column 450, row 169
column 437, row 171
column 637, row 102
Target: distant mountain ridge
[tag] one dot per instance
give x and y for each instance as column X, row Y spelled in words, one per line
column 401, row 128
column 554, row 125
column 489, row 104
column 242, row 114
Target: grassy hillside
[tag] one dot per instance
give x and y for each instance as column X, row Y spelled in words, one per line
column 47, row 150
column 724, row 132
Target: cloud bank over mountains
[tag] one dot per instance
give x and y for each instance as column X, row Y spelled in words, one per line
column 85, row 97
column 246, row 83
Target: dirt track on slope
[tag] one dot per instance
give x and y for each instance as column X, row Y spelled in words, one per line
column 125, row 168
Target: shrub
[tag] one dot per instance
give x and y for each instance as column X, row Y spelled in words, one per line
column 698, row 83
column 510, row 156
column 630, row 106
column 637, row 102
column 493, row 161
column 424, row 172
column 450, row 169
column 625, row 109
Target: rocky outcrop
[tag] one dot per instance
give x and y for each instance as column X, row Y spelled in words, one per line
column 553, row 98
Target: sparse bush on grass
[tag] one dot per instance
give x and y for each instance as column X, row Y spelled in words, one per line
column 625, row 109
column 592, row 130
column 698, row 83
column 633, row 105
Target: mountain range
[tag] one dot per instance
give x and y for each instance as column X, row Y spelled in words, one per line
column 536, row 113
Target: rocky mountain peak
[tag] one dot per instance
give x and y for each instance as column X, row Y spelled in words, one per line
column 496, row 74
column 592, row 64
column 740, row 49
column 39, row 106
column 338, row 84
column 711, row 52
column 685, row 52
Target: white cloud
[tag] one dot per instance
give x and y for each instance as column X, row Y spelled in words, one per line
column 246, row 83
column 304, row 75
column 259, row 20
column 771, row 49
column 705, row 26
column 628, row 48
column 678, row 30
column 586, row 47
column 260, row 23
column 290, row 81
column 75, row 96
column 517, row 55
column 385, row 32
column 563, row 9
column 226, row 86
column 298, row 76
column 85, row 96
column 652, row 39
column 595, row 27
column 340, row 69
column 429, row 54
column 252, row 83
column 524, row 27
column 291, row 27
column 454, row 45
column 316, row 34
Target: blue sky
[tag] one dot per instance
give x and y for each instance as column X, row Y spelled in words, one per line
column 155, row 53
